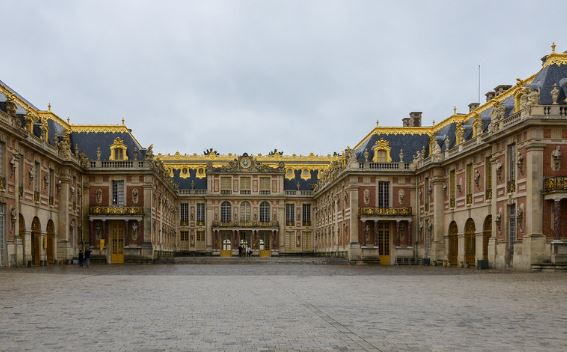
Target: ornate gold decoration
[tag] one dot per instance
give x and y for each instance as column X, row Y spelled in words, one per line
column 557, row 183
column 381, row 145
column 385, row 211
column 476, row 125
column 116, row 211
column 459, row 132
column 118, row 145
column 555, row 58
column 99, row 128
column 247, row 224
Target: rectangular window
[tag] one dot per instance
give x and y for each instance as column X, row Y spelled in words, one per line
column 200, row 213
column 50, row 185
column 265, row 185
column 226, row 185
column 245, row 185
column 289, row 214
column 512, row 162
column 37, row 177
column 488, row 178
column 511, row 225
column 469, row 183
column 184, row 236
column 184, row 214
column 2, row 234
column 383, row 194
column 306, row 214
column 2, row 159
column 426, row 192
column 452, row 190
column 118, row 193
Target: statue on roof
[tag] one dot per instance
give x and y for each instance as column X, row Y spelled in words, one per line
column 533, row 97
column 150, row 152
column 554, row 94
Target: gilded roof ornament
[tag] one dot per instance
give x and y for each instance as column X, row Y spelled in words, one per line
column 555, row 58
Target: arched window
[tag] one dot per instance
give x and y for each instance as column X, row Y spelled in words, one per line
column 381, row 156
column 225, row 212
column 245, row 211
column 264, row 212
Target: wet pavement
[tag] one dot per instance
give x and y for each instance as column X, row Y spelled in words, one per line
column 280, row 307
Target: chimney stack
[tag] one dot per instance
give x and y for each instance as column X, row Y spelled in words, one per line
column 490, row 95
column 415, row 119
column 406, row 122
column 501, row 88
column 473, row 106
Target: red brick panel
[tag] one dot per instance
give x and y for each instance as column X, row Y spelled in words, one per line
column 105, row 196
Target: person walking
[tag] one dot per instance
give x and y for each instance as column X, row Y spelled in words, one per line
column 81, row 257
column 88, row 257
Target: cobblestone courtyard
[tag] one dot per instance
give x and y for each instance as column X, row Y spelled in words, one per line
column 281, row 307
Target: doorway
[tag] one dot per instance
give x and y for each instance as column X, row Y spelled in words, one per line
column 50, row 233
column 116, row 242
column 36, row 242
column 384, row 242
column 453, row 244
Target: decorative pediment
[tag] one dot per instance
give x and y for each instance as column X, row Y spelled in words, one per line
column 245, row 164
column 382, row 152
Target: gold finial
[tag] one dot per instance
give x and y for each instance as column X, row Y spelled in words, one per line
column 123, row 122
column 49, row 106
column 553, row 47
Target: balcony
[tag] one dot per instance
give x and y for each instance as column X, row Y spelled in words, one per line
column 555, row 184
column 116, row 211
column 265, row 192
column 225, row 191
column 299, row 193
column 385, row 211
column 246, row 224
column 192, row 191
column 245, row 191
column 385, row 166
column 117, row 164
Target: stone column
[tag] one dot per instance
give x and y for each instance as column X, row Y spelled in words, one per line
column 534, row 240
column 354, row 250
column 209, row 226
column 63, row 239
column 492, row 242
column 438, row 250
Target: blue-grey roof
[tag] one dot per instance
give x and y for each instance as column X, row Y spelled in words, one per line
column 552, row 74
column 191, row 182
column 299, row 184
column 410, row 143
column 90, row 141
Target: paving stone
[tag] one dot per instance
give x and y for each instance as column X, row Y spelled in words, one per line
column 280, row 307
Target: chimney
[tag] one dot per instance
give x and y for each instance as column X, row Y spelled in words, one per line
column 473, row 106
column 415, row 119
column 490, row 95
column 501, row 88
column 406, row 122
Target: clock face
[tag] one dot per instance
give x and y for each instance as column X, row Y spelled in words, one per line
column 245, row 162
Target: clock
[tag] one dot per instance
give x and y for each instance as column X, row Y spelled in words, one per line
column 245, row 163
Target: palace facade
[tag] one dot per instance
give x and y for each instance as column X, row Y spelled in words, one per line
column 484, row 188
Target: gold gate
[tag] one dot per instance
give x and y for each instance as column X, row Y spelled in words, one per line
column 117, row 242
column 453, row 244
column 384, row 242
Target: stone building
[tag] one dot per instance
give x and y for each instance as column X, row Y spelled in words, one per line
column 481, row 188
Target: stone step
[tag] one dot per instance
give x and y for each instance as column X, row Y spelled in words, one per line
column 548, row 267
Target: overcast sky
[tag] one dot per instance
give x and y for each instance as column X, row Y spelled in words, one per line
column 250, row 76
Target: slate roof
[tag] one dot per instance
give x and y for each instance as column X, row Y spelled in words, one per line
column 89, row 142
column 299, row 184
column 191, row 182
column 410, row 143
column 545, row 79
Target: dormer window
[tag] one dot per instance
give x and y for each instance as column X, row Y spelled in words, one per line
column 118, row 150
column 382, row 152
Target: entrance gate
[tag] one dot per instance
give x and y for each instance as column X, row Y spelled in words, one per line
column 50, row 242
column 384, row 243
column 470, row 243
column 453, row 244
column 36, row 242
column 117, row 242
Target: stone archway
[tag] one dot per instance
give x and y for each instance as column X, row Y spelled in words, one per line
column 470, row 243
column 50, row 233
column 453, row 244
column 486, row 234
column 36, row 241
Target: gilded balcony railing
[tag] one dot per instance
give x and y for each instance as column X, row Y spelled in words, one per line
column 116, row 211
column 242, row 223
column 385, row 211
column 556, row 183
